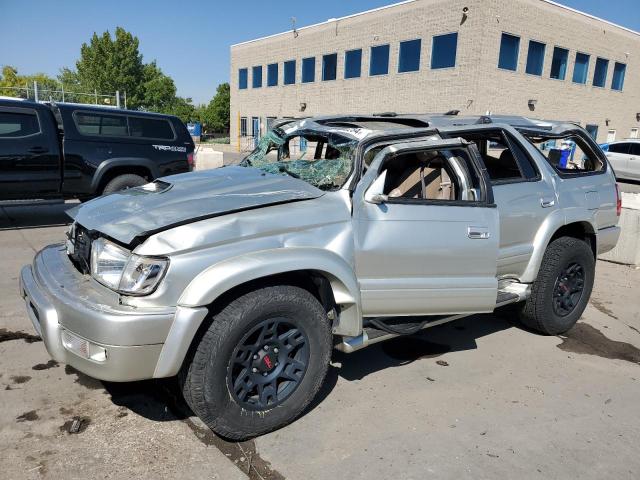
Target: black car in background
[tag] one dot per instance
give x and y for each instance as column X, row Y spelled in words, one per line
column 62, row 150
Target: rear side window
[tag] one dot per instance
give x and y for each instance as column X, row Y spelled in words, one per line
column 618, row 148
column 101, row 124
column 150, row 128
column 89, row 123
column 569, row 154
column 635, row 149
column 15, row 125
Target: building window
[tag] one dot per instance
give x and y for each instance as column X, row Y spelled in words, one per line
column 272, row 75
column 559, row 63
column 443, row 50
column 243, row 126
column 353, row 63
column 308, row 70
column 270, row 122
column 581, row 68
column 379, row 62
column 409, row 57
column 633, row 133
column 290, row 72
column 611, row 136
column 592, row 130
column 509, row 48
column 617, row 82
column 242, row 78
column 329, row 66
column 256, row 73
column 600, row 73
column 535, row 58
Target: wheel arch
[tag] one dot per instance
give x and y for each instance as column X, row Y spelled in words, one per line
column 110, row 169
column 323, row 273
column 556, row 226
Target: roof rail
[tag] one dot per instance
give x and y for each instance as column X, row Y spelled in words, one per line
column 385, row 114
column 452, row 112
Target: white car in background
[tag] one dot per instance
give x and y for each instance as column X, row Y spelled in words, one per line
column 624, row 157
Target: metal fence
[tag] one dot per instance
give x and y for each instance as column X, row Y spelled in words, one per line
column 36, row 93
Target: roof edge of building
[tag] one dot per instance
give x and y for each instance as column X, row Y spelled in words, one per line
column 384, row 7
column 588, row 15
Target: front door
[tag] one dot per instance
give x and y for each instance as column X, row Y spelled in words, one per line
column 29, row 154
column 426, row 232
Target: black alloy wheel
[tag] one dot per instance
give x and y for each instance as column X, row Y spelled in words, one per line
column 268, row 364
column 568, row 289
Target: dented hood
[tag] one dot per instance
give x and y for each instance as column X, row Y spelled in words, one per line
column 186, row 198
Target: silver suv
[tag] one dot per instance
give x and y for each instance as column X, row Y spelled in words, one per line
column 335, row 232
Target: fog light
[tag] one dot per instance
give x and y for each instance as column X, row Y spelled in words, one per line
column 83, row 348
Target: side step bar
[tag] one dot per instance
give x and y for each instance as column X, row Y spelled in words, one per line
column 510, row 292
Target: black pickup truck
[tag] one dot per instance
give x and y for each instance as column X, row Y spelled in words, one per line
column 61, row 150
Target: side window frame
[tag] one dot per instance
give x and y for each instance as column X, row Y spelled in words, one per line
column 23, row 111
column 509, row 140
column 475, row 163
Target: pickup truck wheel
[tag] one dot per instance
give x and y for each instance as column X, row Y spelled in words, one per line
column 260, row 363
column 122, row 182
column 563, row 287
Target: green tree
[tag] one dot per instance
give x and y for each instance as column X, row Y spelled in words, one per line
column 108, row 64
column 11, row 78
column 216, row 115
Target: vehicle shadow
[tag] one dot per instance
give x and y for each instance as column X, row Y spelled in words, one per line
column 35, row 216
column 432, row 342
column 161, row 400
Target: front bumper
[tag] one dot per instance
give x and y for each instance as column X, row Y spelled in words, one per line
column 132, row 342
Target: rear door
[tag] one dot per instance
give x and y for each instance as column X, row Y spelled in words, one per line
column 633, row 167
column 29, row 153
column 426, row 232
column 618, row 155
column 523, row 194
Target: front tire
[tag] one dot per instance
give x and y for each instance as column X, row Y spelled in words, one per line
column 260, row 363
column 562, row 289
column 122, row 182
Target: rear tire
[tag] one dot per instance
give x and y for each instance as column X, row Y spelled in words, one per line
column 562, row 289
column 230, row 384
column 122, row 182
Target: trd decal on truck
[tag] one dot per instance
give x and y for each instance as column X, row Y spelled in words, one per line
column 170, row 148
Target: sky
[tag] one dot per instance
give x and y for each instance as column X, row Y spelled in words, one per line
column 189, row 40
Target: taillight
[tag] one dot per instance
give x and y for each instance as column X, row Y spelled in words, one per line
column 190, row 160
column 618, row 201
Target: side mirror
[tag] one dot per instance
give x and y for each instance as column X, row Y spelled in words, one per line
column 375, row 192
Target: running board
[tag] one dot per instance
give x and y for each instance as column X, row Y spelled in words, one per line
column 509, row 292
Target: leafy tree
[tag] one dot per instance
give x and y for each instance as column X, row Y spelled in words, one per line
column 216, row 115
column 108, row 64
column 11, row 78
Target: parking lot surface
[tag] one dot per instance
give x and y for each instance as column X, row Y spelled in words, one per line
column 477, row 398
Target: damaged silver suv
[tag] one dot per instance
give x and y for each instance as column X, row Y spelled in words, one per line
column 335, row 232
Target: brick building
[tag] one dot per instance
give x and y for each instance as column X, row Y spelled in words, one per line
column 523, row 57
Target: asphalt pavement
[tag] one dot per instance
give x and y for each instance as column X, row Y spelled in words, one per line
column 479, row 398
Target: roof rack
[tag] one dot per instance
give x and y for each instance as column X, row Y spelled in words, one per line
column 452, row 112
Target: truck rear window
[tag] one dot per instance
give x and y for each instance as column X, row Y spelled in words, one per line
column 103, row 124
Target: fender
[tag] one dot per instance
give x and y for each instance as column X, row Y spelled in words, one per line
column 549, row 227
column 107, row 165
column 217, row 279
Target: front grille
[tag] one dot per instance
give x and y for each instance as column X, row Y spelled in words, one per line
column 81, row 241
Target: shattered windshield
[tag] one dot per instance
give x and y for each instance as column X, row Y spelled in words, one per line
column 324, row 160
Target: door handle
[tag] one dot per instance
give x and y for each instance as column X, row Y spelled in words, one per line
column 547, row 202
column 478, row 233
column 37, row 150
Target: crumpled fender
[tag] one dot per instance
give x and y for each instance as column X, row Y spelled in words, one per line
column 217, row 279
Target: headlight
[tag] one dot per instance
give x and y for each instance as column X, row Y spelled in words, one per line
column 123, row 271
